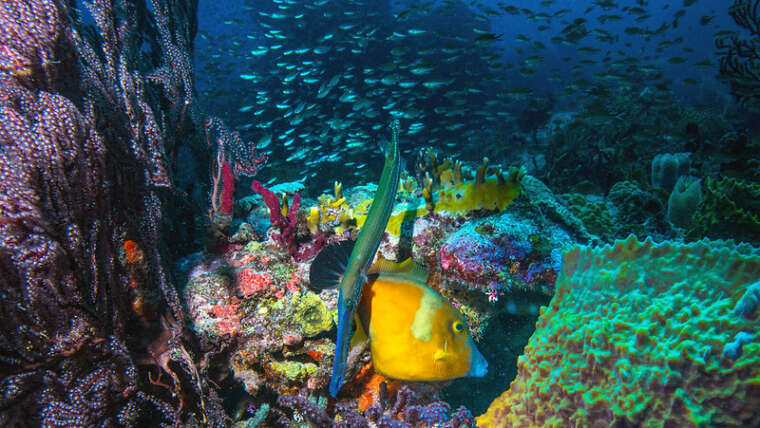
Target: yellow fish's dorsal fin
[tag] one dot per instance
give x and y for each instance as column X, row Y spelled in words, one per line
column 407, row 269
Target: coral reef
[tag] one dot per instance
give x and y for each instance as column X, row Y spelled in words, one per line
column 109, row 168
column 590, row 154
column 643, row 334
column 502, row 253
column 252, row 301
column 542, row 198
column 636, row 210
column 255, row 295
column 401, row 411
column 593, row 213
column 250, row 298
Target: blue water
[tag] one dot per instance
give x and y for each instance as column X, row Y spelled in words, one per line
column 231, row 30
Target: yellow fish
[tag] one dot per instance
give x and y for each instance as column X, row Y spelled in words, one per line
column 415, row 334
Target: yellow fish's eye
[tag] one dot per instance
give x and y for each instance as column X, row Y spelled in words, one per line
column 457, row 326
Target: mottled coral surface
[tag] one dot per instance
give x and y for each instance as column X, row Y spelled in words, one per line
column 643, row 334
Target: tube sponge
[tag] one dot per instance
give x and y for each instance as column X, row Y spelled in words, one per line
column 683, row 201
column 667, row 167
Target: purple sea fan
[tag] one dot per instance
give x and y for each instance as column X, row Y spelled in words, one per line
column 306, row 408
column 82, row 162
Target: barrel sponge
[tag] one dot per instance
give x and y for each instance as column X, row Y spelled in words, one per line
column 635, row 336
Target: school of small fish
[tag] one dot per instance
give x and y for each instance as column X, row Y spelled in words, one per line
column 325, row 76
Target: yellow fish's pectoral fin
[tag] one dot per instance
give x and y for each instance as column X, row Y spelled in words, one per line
column 359, row 334
column 440, row 361
column 441, row 355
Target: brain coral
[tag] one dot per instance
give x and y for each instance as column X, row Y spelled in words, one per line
column 643, row 334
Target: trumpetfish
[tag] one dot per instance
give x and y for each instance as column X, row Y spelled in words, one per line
column 415, row 334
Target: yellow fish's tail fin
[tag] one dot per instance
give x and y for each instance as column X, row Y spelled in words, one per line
column 328, row 267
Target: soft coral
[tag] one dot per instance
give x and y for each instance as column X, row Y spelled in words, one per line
column 287, row 224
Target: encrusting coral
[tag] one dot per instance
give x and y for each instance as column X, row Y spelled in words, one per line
column 636, row 210
column 643, row 334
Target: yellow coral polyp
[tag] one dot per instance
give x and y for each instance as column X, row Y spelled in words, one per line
column 470, row 196
column 459, row 198
column 313, row 220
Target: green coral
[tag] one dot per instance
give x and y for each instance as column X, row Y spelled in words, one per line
column 594, row 215
column 635, row 317
column 636, row 211
column 541, row 197
column 312, row 315
column 729, row 209
column 294, row 370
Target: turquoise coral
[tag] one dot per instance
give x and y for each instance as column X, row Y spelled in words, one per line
column 643, row 334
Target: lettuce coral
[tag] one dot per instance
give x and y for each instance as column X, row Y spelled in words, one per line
column 643, row 334
column 730, row 207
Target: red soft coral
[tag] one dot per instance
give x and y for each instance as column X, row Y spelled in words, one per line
column 286, row 224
